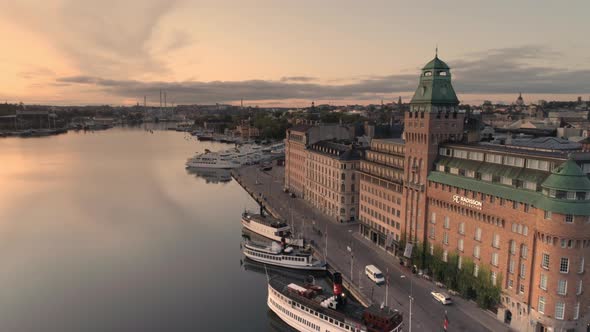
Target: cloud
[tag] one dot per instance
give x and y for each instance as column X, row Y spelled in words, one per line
column 492, row 72
column 226, row 91
column 519, row 69
column 298, row 79
column 36, row 72
column 109, row 37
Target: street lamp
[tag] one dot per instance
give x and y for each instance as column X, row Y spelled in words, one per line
column 411, row 297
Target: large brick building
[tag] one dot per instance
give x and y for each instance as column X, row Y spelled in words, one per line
column 331, row 180
column 298, row 139
column 522, row 212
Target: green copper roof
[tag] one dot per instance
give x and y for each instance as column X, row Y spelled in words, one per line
column 436, row 63
column 435, row 85
column 568, row 177
column 533, row 198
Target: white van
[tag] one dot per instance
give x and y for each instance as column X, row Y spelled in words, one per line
column 374, row 274
column 442, row 297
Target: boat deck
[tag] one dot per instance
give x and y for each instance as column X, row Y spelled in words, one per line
column 265, row 220
column 350, row 313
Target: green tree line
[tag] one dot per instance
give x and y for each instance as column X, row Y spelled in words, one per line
column 461, row 279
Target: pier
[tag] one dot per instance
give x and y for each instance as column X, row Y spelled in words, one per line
column 348, row 252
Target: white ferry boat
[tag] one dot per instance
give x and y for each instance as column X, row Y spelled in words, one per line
column 306, row 309
column 213, row 160
column 270, row 228
column 283, row 256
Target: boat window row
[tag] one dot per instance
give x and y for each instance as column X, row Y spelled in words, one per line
column 315, row 313
column 295, row 317
column 277, row 258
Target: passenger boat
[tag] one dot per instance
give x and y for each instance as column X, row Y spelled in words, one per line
column 213, row 160
column 270, row 228
column 279, row 254
column 306, row 309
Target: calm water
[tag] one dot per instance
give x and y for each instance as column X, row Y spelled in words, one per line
column 106, row 231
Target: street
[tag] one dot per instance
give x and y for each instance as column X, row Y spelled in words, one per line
column 349, row 253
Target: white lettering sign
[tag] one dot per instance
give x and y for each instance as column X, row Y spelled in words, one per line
column 470, row 202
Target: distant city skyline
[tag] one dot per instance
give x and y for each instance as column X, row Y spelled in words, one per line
column 275, row 53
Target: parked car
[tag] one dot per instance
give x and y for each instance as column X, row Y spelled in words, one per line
column 441, row 297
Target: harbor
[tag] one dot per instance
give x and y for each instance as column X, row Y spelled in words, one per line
column 348, row 252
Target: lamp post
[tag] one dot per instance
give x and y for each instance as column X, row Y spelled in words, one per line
column 351, row 258
column 411, row 297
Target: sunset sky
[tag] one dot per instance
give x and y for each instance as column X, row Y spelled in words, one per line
column 288, row 53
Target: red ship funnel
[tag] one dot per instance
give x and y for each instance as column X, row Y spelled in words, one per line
column 338, row 284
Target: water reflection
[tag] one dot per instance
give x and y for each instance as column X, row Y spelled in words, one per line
column 211, row 175
column 106, row 231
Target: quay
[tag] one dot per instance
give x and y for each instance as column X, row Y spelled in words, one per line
column 349, row 252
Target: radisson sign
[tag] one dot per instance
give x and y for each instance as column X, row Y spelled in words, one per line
column 469, row 202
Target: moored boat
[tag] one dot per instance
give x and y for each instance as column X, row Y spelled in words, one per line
column 270, row 228
column 305, row 308
column 279, row 254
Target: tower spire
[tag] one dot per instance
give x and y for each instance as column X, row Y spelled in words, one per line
column 436, row 51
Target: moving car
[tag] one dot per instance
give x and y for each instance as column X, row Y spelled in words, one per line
column 374, row 274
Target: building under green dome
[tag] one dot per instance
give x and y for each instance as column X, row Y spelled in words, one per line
column 567, row 177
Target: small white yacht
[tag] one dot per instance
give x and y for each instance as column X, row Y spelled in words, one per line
column 283, row 256
column 270, row 228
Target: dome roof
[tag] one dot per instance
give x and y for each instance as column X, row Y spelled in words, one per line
column 436, row 63
column 567, row 177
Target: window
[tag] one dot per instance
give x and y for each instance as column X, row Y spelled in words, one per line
column 559, row 310
column 581, row 266
column 495, row 259
column 569, row 218
column 514, row 161
column 476, row 251
column 432, row 236
column 580, row 286
column 478, row 234
column 530, row 185
column 462, row 228
column 562, row 287
column 486, row 177
column 541, row 305
column 494, row 158
column 446, row 238
column 506, row 180
column 548, row 215
column 521, row 288
column 522, row 270
column 475, row 270
column 525, row 230
column 564, row 265
column 460, row 245
column 577, row 311
column 445, row 255
column 496, row 241
column 494, row 277
column 511, row 266
column 512, row 247
column 510, row 282
column 433, row 218
column 447, row 223
column 543, row 281
column 524, row 251
column 545, row 261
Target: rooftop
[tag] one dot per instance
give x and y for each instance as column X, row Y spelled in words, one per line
column 341, row 149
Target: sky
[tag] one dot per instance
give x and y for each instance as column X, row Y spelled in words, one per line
column 288, row 53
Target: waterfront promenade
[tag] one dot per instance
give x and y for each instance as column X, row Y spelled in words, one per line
column 344, row 241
